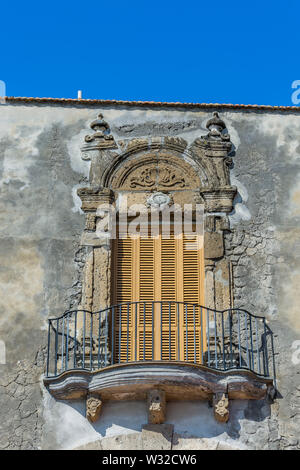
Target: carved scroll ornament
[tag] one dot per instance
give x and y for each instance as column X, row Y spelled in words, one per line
column 166, row 177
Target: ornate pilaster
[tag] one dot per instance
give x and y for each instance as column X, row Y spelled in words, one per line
column 96, row 203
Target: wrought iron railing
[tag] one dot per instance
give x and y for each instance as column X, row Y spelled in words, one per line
column 160, row 331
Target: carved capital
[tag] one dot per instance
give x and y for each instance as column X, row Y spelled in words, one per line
column 92, row 197
column 93, row 407
column 220, row 404
column 219, row 199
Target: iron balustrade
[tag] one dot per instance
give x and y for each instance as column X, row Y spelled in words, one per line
column 163, row 331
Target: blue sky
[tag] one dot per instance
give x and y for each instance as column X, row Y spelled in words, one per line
column 191, row 51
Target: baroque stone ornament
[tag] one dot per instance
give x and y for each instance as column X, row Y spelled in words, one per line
column 165, row 177
column 159, row 200
column 93, row 407
column 146, row 179
column 169, row 178
column 216, row 126
column 220, row 404
column 100, row 140
column 101, row 129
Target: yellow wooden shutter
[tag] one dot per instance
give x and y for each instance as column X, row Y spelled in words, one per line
column 159, row 269
column 146, row 293
column 169, row 274
column 123, row 292
column 193, row 293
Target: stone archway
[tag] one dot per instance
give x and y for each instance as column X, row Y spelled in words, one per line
column 198, row 173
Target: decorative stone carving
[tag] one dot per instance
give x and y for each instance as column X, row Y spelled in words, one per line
column 101, row 137
column 145, row 179
column 155, row 171
column 220, row 404
column 93, row 407
column 168, row 178
column 159, row 176
column 159, row 200
column 156, row 407
column 216, row 126
column 90, row 221
column 171, row 151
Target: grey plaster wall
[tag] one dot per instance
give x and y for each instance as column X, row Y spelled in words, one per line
column 41, row 264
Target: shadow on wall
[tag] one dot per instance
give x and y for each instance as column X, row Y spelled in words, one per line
column 67, row 426
column 196, row 419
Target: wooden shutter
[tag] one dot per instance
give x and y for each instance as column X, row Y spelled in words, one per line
column 169, row 275
column 146, row 293
column 158, row 269
column 193, row 290
column 123, row 292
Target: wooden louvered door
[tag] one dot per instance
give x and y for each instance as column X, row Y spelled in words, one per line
column 168, row 270
column 182, row 284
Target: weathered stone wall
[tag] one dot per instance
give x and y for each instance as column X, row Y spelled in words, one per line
column 42, row 265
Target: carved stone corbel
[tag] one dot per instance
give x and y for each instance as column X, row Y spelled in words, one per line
column 220, row 404
column 93, row 407
column 156, row 407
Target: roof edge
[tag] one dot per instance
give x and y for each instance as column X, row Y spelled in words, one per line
column 154, row 104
